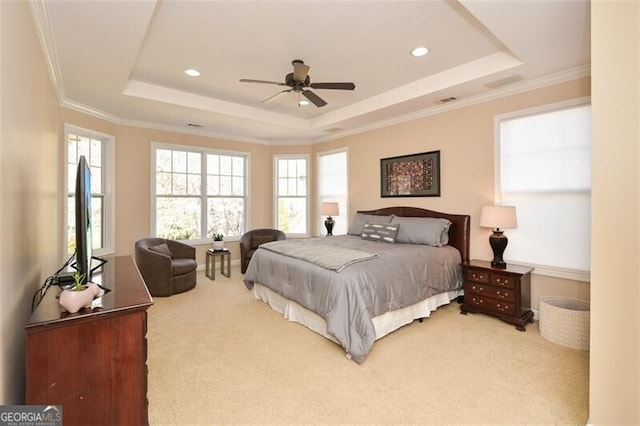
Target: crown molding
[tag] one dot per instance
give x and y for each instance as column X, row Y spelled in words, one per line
column 77, row 106
column 510, row 90
column 43, row 27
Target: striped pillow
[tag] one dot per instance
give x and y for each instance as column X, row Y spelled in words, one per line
column 361, row 219
column 384, row 232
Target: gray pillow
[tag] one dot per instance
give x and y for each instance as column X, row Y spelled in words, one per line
column 384, row 232
column 162, row 248
column 361, row 219
column 428, row 231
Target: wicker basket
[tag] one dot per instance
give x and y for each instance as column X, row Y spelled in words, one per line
column 565, row 321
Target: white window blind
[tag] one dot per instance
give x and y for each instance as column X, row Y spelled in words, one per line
column 545, row 172
column 333, row 184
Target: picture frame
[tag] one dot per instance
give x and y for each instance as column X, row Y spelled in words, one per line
column 415, row 175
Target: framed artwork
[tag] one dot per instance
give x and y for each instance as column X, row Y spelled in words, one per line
column 416, row 175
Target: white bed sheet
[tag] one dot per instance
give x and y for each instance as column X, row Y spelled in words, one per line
column 383, row 324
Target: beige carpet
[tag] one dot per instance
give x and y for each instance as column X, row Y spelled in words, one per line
column 216, row 355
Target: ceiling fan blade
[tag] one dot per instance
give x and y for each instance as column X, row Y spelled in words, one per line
column 337, row 86
column 276, row 96
column 315, row 99
column 300, row 71
column 248, row 80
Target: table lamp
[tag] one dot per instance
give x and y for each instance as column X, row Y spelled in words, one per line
column 498, row 218
column 329, row 209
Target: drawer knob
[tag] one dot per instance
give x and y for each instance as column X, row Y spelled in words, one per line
column 502, row 281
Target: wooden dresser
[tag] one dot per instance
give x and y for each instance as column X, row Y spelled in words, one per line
column 502, row 293
column 94, row 362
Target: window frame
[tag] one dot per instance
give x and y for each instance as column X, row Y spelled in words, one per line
column 343, row 204
column 276, row 196
column 205, row 238
column 108, row 187
column 545, row 270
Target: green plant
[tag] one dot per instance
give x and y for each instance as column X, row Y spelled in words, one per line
column 217, row 237
column 78, row 281
column 177, row 232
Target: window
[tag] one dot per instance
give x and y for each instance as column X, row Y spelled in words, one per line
column 98, row 150
column 198, row 192
column 545, row 171
column 292, row 189
column 333, row 186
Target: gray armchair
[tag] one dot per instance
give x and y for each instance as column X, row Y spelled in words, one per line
column 167, row 266
column 250, row 241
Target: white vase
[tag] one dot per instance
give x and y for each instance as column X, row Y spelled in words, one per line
column 72, row 301
column 218, row 245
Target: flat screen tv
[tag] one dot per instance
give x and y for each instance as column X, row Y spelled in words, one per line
column 84, row 240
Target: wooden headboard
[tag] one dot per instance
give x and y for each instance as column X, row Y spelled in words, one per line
column 459, row 232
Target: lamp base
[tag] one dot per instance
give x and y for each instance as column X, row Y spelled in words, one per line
column 498, row 242
column 328, row 223
column 499, row 264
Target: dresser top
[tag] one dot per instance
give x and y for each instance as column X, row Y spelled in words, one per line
column 126, row 291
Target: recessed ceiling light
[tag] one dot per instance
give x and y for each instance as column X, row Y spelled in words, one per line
column 419, row 51
column 192, row 72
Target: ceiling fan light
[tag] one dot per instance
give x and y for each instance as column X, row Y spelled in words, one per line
column 303, row 102
column 192, row 72
column 419, row 51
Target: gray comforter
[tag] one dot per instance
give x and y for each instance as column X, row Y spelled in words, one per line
column 398, row 276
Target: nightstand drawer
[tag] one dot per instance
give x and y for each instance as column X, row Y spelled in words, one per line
column 503, row 281
column 490, row 291
column 478, row 276
column 486, row 303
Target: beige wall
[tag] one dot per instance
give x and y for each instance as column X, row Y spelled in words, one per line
column 615, row 244
column 466, row 166
column 30, row 222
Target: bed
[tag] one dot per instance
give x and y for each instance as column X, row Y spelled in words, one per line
column 357, row 288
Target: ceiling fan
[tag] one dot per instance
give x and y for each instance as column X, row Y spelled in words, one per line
column 299, row 82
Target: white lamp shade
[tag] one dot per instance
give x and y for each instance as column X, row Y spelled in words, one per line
column 502, row 217
column 329, row 209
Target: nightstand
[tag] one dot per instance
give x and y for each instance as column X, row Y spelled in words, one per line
column 502, row 293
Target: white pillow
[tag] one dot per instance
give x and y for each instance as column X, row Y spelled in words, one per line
column 428, row 231
column 358, row 222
